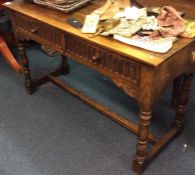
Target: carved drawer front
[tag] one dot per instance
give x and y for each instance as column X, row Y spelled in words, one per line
column 37, row 31
column 102, row 59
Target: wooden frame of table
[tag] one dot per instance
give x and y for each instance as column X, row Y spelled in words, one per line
column 143, row 75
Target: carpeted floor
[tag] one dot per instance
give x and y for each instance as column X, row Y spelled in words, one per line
column 53, row 133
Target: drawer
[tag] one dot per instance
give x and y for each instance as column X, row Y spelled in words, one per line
column 37, row 31
column 105, row 61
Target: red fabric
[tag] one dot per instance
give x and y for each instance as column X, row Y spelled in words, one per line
column 7, row 55
column 4, row 50
column 2, row 1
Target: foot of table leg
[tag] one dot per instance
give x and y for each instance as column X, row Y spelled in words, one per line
column 182, row 101
column 137, row 167
column 30, row 88
column 140, row 156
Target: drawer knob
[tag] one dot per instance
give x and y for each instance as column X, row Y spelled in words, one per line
column 34, row 30
column 193, row 57
column 96, row 57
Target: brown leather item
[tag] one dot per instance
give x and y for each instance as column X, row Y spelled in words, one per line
column 110, row 11
column 110, row 8
column 124, row 3
column 106, row 25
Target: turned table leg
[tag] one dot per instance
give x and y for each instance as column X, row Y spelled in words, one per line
column 143, row 131
column 24, row 60
column 64, row 65
column 176, row 90
column 182, row 100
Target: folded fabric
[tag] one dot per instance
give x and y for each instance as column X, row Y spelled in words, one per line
column 171, row 21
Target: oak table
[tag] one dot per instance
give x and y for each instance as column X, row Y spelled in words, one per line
column 142, row 74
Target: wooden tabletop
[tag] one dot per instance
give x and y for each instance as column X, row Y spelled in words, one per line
column 58, row 20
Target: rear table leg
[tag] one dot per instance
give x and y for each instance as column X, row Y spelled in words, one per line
column 182, row 100
column 64, row 65
column 176, row 90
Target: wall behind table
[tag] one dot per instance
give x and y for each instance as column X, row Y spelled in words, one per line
column 187, row 6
